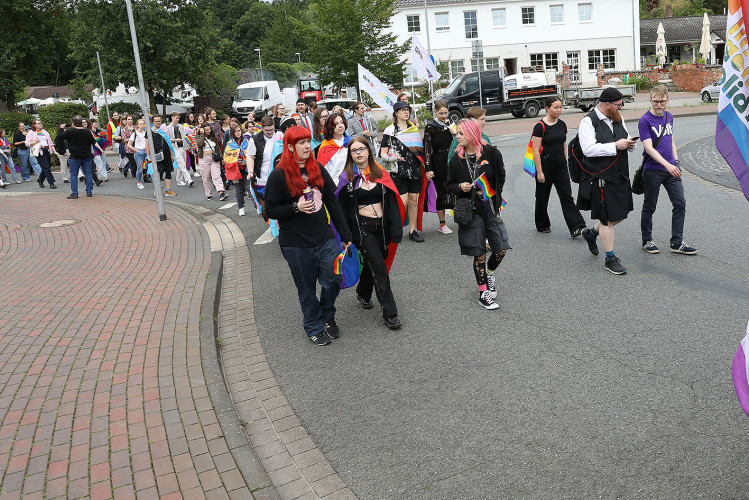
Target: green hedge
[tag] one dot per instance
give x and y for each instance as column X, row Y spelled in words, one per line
column 123, row 108
column 62, row 112
column 9, row 121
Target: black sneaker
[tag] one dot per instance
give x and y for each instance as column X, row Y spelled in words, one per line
column 414, row 236
column 52, row 186
column 98, row 182
column 331, row 329
column 543, row 229
column 89, row 195
column 592, row 245
column 40, row 182
column 577, row 232
column 73, row 197
column 614, row 266
column 393, row 322
column 223, row 196
column 486, row 300
column 320, row 339
column 66, row 181
column 650, row 247
column 192, row 183
column 365, row 304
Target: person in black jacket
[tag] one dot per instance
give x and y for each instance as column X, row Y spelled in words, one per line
column 374, row 212
column 306, row 238
column 475, row 158
column 78, row 141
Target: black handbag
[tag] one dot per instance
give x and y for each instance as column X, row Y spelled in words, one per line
column 638, row 185
column 216, row 155
column 463, row 211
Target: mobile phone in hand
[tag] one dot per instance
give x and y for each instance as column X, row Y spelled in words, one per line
column 634, row 138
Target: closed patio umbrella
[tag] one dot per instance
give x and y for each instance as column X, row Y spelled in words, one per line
column 660, row 44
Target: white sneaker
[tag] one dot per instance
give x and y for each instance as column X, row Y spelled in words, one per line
column 490, row 285
column 241, row 212
column 445, row 230
column 18, row 181
column 141, row 186
column 180, row 183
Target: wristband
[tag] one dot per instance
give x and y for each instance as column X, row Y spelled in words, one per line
column 295, row 206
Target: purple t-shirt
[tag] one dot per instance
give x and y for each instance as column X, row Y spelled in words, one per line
column 650, row 127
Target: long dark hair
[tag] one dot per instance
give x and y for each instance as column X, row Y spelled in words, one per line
column 317, row 132
column 290, row 168
column 375, row 172
column 330, row 125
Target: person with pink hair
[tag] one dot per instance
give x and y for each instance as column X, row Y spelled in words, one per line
column 478, row 164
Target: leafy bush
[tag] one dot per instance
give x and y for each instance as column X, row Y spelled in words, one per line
column 62, row 112
column 643, row 82
column 383, row 123
column 423, row 115
column 123, row 108
column 9, row 121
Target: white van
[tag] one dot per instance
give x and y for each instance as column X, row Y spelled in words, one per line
column 257, row 97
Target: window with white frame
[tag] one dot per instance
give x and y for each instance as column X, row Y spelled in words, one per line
column 585, row 11
column 491, row 62
column 556, row 13
column 573, row 61
column 549, row 60
column 607, row 57
column 528, row 15
column 442, row 21
column 410, row 75
column 499, row 17
column 414, row 24
column 456, row 68
column 472, row 30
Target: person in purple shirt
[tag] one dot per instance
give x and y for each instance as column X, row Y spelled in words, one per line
column 661, row 168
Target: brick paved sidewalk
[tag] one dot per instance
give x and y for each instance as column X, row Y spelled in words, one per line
column 102, row 393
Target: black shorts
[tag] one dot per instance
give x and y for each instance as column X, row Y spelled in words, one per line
column 407, row 185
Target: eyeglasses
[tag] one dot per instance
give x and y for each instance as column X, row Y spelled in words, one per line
column 620, row 105
column 358, row 151
column 659, row 102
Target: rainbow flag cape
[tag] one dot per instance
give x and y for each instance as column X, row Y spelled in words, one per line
column 232, row 153
column 102, row 139
column 162, row 133
column 329, row 158
column 483, row 184
column 732, row 129
column 740, row 372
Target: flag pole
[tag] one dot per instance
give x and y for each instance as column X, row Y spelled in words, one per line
column 103, row 88
column 144, row 107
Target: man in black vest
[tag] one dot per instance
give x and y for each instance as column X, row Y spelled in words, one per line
column 604, row 182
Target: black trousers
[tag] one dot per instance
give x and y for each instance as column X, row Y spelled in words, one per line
column 374, row 274
column 241, row 183
column 45, row 162
column 556, row 174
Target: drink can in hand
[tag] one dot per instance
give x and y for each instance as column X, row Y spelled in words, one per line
column 308, row 194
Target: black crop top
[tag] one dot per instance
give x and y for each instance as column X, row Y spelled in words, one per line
column 374, row 195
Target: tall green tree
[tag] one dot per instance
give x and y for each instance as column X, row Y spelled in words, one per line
column 176, row 40
column 346, row 32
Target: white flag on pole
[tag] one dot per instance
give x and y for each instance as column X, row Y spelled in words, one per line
column 421, row 61
column 377, row 90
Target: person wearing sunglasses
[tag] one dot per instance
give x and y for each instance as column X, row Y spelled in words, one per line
column 605, row 142
column 661, row 168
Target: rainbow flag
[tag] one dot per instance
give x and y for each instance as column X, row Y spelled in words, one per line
column 190, row 140
column 732, row 129
column 528, row 164
column 483, row 184
column 740, row 372
column 338, row 263
column 503, row 205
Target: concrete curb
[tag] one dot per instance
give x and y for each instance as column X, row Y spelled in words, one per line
column 244, row 454
column 721, row 187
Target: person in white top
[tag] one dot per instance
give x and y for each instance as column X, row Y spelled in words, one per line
column 176, row 132
column 137, row 144
column 208, row 144
column 40, row 143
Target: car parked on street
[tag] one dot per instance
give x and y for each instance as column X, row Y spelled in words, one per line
column 711, row 92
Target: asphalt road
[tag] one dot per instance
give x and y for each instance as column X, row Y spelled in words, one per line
column 582, row 385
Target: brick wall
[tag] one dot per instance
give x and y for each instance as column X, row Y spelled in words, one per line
column 692, row 80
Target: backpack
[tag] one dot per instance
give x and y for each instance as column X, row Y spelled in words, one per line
column 575, row 156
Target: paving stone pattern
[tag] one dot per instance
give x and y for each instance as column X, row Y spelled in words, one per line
column 102, row 392
column 702, row 158
column 297, row 468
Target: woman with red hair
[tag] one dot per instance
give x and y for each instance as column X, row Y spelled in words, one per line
column 476, row 158
column 297, row 194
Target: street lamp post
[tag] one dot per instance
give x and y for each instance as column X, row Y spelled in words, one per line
column 299, row 55
column 144, row 106
column 261, row 63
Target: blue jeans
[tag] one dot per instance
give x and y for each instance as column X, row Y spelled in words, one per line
column 309, row 265
column 34, row 162
column 75, row 164
column 652, row 180
column 140, row 157
column 45, row 162
column 23, row 159
column 11, row 167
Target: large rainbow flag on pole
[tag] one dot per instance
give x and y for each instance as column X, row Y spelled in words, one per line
column 732, row 130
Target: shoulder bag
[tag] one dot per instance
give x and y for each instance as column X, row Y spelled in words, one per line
column 463, row 211
column 638, row 186
column 528, row 164
column 216, row 155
